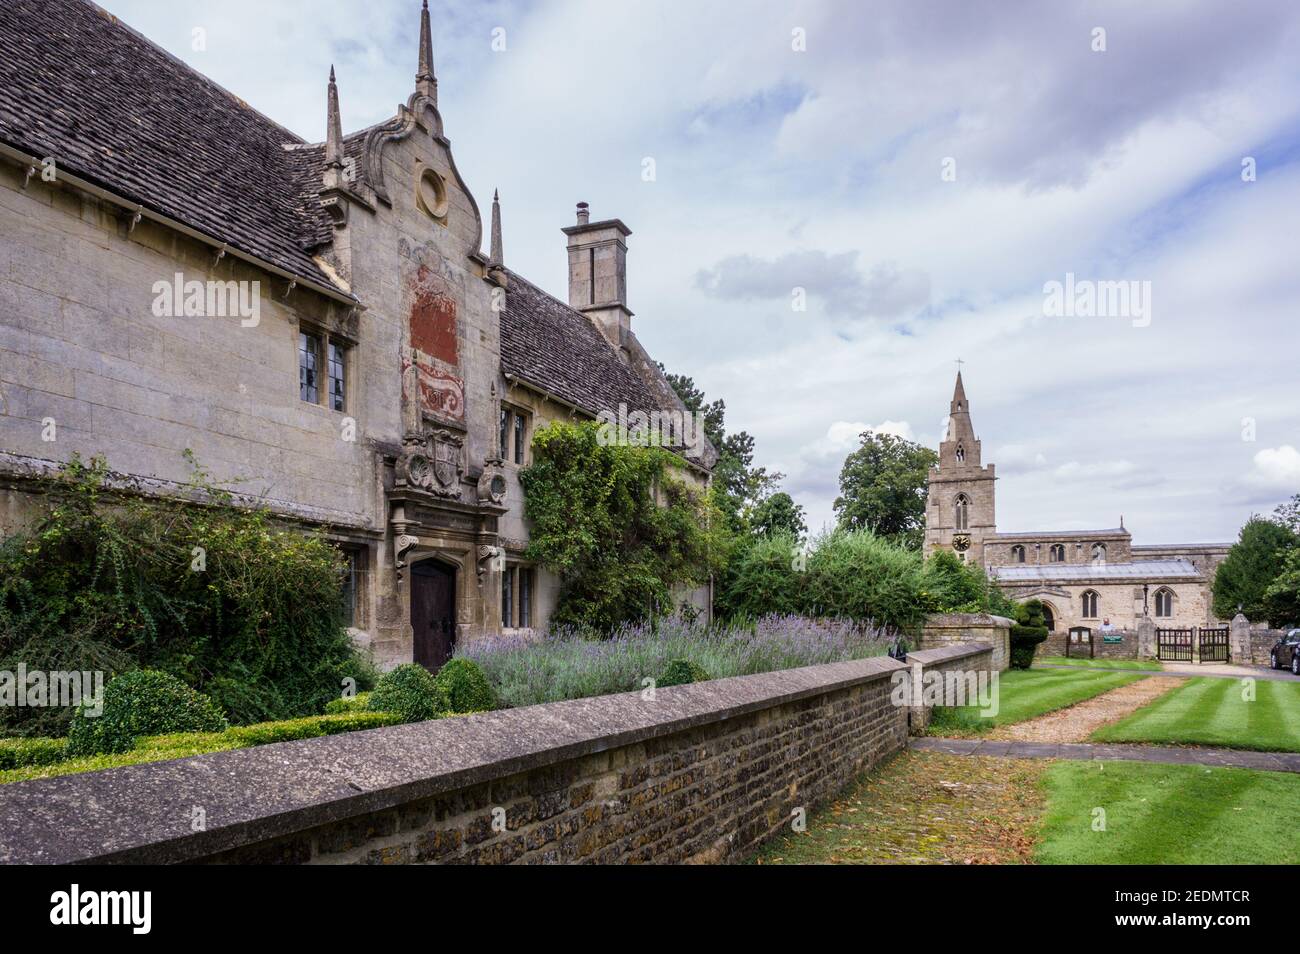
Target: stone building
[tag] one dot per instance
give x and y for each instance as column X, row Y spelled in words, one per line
column 317, row 321
column 1084, row 578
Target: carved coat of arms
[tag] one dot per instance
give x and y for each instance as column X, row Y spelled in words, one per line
column 434, row 461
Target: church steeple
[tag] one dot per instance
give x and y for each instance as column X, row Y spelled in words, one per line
column 958, row 396
column 424, row 79
column 960, row 508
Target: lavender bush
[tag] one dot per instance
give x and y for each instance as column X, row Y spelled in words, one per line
column 566, row 665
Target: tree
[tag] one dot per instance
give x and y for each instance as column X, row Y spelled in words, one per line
column 1250, row 568
column 778, row 513
column 883, row 488
column 1282, row 598
column 1288, row 515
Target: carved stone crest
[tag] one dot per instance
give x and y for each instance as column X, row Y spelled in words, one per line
column 434, row 461
column 491, row 485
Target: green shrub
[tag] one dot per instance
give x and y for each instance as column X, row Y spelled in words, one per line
column 311, row 727
column 1030, row 630
column 761, row 579
column 357, row 703
column 410, row 692
column 20, row 753
column 143, row 702
column 462, row 683
column 111, row 583
column 855, row 574
column 679, row 672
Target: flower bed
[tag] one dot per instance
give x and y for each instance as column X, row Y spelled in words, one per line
column 567, row 665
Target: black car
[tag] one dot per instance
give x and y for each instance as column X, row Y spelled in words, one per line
column 1286, row 654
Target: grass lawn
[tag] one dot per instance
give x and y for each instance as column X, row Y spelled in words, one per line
column 1207, row 711
column 1143, row 664
column 1026, row 693
column 1167, row 814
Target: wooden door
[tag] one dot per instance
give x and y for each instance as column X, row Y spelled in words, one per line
column 433, row 612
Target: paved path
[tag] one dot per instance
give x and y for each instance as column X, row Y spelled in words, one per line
column 1088, row 751
column 1215, row 670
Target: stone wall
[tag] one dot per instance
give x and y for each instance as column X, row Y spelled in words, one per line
column 699, row 773
column 1126, row 648
column 963, row 658
column 947, row 629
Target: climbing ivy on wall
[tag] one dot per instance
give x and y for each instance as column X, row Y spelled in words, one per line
column 621, row 526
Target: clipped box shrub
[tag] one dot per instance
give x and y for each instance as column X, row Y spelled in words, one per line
column 679, row 672
column 464, row 686
column 143, row 702
column 357, row 703
column 410, row 692
column 1030, row 630
column 20, row 753
column 266, row 733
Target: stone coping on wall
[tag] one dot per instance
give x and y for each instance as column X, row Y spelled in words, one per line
column 944, row 654
column 963, row 620
column 143, row 813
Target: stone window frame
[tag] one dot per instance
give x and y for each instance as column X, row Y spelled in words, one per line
column 358, row 583
column 961, row 512
column 1168, row 596
column 1097, row 554
column 324, row 387
column 514, row 434
column 1018, row 553
column 1056, row 553
column 518, row 595
column 1086, row 598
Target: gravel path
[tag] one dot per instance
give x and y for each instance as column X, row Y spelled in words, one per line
column 1077, row 722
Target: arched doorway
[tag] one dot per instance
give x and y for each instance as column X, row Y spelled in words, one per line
column 433, row 612
column 1049, row 618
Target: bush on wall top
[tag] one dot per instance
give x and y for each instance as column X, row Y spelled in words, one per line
column 464, row 687
column 410, row 692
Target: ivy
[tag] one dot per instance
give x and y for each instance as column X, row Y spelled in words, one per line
column 619, row 525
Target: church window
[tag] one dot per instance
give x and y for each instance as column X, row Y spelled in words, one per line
column 1099, row 553
column 961, row 453
column 1164, row 602
column 962, row 512
column 1057, row 553
column 1090, row 604
column 1017, row 554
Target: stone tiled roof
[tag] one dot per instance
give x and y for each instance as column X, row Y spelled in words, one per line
column 1099, row 572
column 116, row 110
column 558, row 350
column 1063, row 535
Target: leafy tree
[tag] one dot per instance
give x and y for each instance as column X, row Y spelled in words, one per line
column 764, row 578
column 778, row 514
column 1282, row 598
column 1288, row 515
column 883, row 488
column 1250, row 568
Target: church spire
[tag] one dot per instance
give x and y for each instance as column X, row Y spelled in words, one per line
column 496, row 258
column 424, row 79
column 959, row 396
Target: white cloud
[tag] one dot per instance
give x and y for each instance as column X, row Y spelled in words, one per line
column 1276, row 468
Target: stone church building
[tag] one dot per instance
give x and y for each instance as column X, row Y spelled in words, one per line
column 1084, row 578
column 317, row 321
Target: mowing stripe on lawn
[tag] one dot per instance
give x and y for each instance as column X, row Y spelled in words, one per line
column 1208, row 711
column 1166, row 814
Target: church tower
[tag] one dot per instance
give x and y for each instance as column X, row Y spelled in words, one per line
column 959, row 510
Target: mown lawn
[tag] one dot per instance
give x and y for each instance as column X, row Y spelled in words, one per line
column 1142, row 664
column 1026, row 693
column 1167, row 814
column 1215, row 712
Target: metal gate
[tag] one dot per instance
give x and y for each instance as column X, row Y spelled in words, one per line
column 1206, row 645
column 1214, row 645
column 1175, row 644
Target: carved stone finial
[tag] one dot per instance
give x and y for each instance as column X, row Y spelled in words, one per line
column 496, row 258
column 424, row 79
column 333, row 133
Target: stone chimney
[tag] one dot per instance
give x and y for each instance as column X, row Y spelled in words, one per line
column 598, row 274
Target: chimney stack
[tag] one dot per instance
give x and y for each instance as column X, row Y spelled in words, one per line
column 598, row 273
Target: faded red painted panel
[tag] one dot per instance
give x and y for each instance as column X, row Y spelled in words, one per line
column 433, row 317
column 441, row 394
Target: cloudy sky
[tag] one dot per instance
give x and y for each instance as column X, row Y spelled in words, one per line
column 921, row 171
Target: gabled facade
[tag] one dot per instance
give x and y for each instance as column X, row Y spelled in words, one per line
column 317, row 321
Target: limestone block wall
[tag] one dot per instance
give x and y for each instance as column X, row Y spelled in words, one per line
column 947, row 629
column 964, row 659
column 699, row 773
